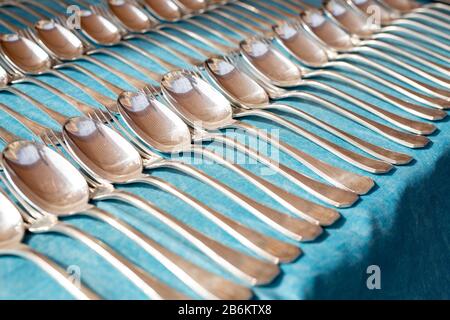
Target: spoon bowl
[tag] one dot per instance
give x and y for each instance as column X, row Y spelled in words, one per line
column 64, row 190
column 366, row 6
column 12, row 228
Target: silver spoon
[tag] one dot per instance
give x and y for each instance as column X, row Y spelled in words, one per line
column 264, row 58
column 356, row 23
column 139, row 113
column 176, row 137
column 65, row 192
column 288, row 75
column 38, row 62
column 313, row 19
column 239, row 87
column 385, row 16
column 327, row 31
column 245, row 267
column 304, row 235
column 64, row 44
column 206, row 284
column 408, row 6
column 12, row 230
column 305, row 49
column 198, row 102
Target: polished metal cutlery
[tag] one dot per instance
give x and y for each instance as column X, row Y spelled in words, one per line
column 25, row 163
column 12, row 231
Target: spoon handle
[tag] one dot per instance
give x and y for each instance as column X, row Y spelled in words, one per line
column 418, row 36
column 109, row 103
column 308, row 210
column 356, row 159
column 416, row 84
column 416, row 127
column 329, row 194
column 433, row 102
column 214, row 32
column 403, row 138
column 108, row 85
column 253, row 240
column 298, row 230
column 152, row 287
column 77, row 104
column 247, row 268
column 417, row 58
column 239, row 31
column 138, row 84
column 417, row 110
column 417, row 71
column 78, row 291
column 376, row 151
column 407, row 23
column 155, row 58
column 232, row 17
column 209, row 42
column 204, row 283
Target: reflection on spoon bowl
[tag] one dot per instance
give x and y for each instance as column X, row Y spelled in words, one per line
column 63, row 191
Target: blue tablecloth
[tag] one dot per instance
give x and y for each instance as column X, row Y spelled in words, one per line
column 402, row 226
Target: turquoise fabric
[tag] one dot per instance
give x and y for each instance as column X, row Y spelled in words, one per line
column 402, row 226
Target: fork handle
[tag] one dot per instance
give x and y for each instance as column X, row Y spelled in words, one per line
column 153, row 288
column 418, row 35
column 294, row 228
column 417, row 110
column 80, row 292
column 77, row 104
column 247, row 268
column 308, row 210
column 417, row 58
column 427, row 100
column 400, row 137
column 353, row 183
column 204, row 283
